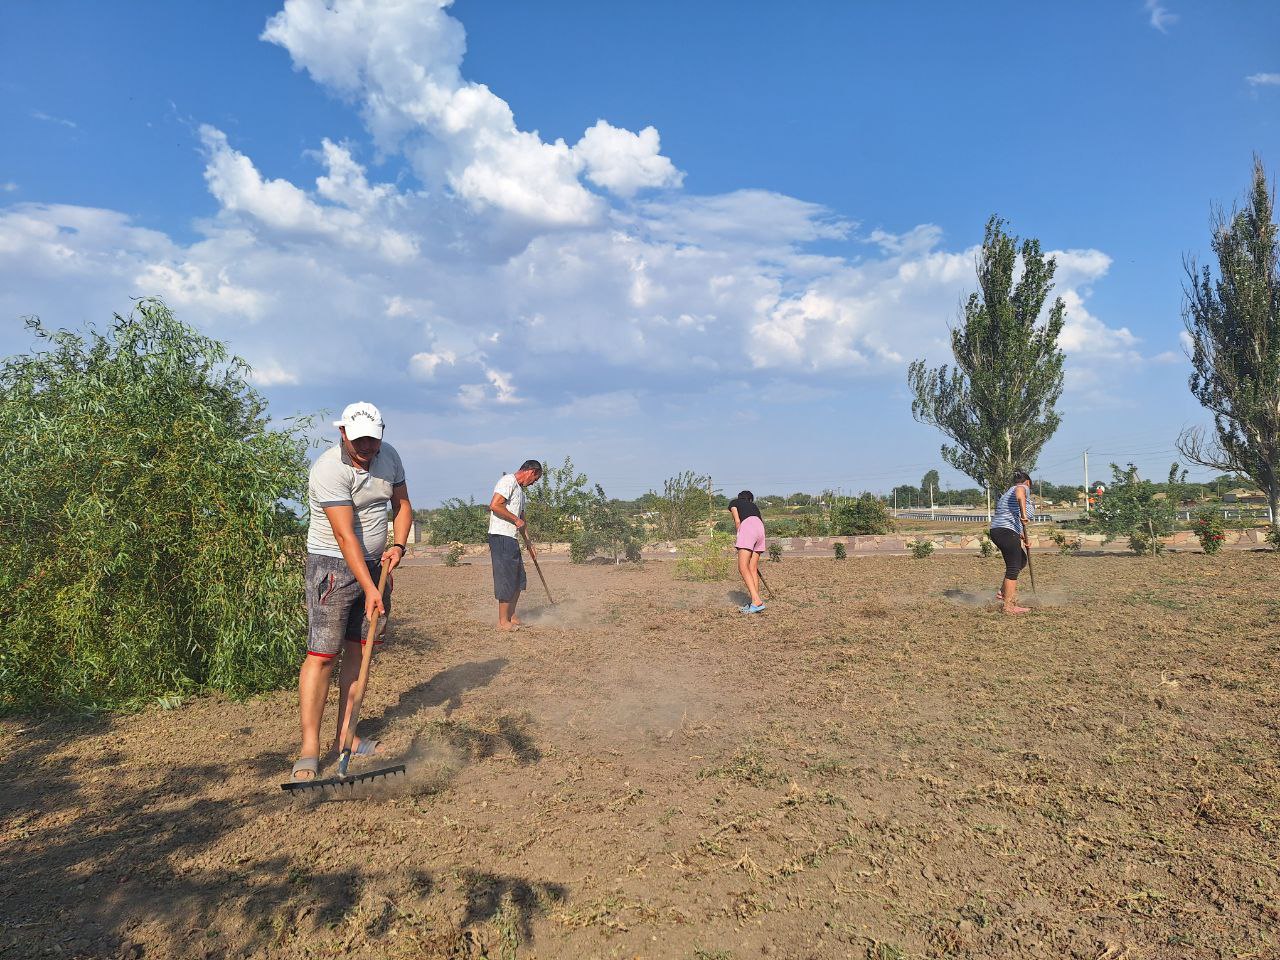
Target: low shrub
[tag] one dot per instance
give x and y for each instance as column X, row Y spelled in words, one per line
column 1273, row 538
column 775, row 552
column 1067, row 546
column 580, row 549
column 986, row 547
column 1209, row 529
column 459, row 521
column 838, row 548
column 453, row 555
column 865, row 516
column 920, row 548
column 706, row 559
column 1143, row 544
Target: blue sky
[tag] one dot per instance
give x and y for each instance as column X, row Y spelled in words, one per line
column 653, row 237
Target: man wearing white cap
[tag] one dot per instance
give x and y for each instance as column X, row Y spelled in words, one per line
column 348, row 491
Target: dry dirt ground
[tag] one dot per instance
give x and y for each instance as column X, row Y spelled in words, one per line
column 878, row 766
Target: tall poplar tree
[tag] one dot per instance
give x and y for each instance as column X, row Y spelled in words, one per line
column 997, row 402
column 1234, row 325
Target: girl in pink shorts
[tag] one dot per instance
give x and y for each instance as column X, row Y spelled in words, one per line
column 750, row 544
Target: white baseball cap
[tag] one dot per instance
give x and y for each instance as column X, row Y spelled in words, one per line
column 361, row 420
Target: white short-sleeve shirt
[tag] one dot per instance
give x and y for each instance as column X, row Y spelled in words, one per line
column 513, row 493
column 335, row 481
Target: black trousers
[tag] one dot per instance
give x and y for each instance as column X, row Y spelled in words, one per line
column 1010, row 544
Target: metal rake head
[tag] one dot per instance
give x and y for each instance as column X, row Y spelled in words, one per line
column 338, row 783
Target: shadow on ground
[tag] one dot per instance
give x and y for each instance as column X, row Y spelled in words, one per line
column 197, row 862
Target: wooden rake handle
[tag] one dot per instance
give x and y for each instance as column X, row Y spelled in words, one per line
column 534, row 557
column 356, row 695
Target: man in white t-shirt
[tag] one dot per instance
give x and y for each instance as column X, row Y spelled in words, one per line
column 506, row 524
column 348, row 491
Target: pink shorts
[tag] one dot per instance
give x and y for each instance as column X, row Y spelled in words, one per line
column 751, row 535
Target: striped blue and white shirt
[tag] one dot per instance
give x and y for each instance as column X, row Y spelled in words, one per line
column 1007, row 514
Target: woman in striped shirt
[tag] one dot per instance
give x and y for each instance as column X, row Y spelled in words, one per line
column 1009, row 533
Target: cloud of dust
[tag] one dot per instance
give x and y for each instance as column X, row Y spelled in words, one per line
column 987, row 598
column 566, row 613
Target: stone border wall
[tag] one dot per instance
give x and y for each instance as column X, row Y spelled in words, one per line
column 893, row 543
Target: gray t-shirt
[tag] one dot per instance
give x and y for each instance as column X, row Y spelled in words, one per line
column 513, row 493
column 336, row 482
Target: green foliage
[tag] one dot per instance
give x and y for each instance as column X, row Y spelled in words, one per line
column 606, row 529
column 453, row 555
column 920, row 548
column 839, row 549
column 1273, row 538
column 555, row 504
column 682, row 506
column 459, row 521
column 1067, row 546
column 711, row 559
column 1134, row 508
column 775, row 551
column 865, row 516
column 997, row 403
column 1234, row 325
column 929, row 486
column 986, row 547
column 579, row 549
column 906, row 495
column 146, row 551
column 1209, row 529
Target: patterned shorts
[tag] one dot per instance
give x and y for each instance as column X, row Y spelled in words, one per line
column 335, row 605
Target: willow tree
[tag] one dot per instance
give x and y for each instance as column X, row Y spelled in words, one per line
column 147, row 548
column 1234, row 325
column 997, row 403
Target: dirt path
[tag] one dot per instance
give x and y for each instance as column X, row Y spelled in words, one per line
column 876, row 767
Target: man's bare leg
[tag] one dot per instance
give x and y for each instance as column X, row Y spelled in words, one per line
column 347, row 675
column 507, row 613
column 313, row 690
column 748, row 579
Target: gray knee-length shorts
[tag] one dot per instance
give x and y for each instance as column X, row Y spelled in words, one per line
column 508, row 567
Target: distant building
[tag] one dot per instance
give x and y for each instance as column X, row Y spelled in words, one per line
column 1245, row 497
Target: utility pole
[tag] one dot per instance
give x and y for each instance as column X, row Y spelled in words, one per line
column 988, row 503
column 1086, row 483
column 931, row 507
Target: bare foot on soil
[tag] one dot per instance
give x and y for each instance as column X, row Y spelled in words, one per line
column 1012, row 609
column 511, row 627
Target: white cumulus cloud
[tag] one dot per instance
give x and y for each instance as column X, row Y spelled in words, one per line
column 1263, row 79
column 1159, row 16
column 401, row 62
column 624, row 162
column 271, row 374
column 600, row 295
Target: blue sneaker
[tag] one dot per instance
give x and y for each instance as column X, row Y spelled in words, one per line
column 745, row 608
column 754, row 608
